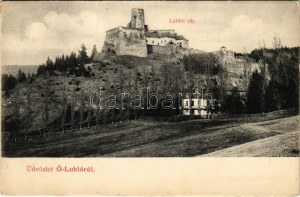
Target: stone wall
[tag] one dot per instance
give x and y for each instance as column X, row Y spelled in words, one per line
column 171, row 49
column 112, row 40
column 126, row 41
column 165, row 50
column 133, row 42
column 137, row 18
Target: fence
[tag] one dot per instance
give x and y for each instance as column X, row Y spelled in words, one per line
column 269, row 115
column 43, row 131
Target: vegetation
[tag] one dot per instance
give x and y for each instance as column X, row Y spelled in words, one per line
column 160, row 76
column 72, row 64
column 9, row 81
column 234, row 103
column 203, row 63
column 282, row 91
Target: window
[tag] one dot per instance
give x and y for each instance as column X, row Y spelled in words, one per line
column 193, row 103
column 186, row 103
column 153, row 42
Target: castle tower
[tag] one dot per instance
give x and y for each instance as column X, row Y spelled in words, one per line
column 137, row 18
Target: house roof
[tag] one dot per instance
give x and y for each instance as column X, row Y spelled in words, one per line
column 163, row 35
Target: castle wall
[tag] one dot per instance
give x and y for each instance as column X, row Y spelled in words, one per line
column 171, row 50
column 126, row 41
column 166, row 50
column 133, row 42
column 112, row 40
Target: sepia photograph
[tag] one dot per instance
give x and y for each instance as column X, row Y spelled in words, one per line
column 149, row 79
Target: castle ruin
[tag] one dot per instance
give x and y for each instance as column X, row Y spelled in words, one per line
column 137, row 40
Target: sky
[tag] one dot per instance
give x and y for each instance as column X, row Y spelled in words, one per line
column 32, row 31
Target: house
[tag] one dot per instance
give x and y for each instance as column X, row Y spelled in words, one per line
column 198, row 106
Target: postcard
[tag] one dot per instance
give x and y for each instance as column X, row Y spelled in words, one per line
column 150, row 98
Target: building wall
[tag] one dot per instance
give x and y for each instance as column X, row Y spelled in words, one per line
column 183, row 43
column 198, row 106
column 171, row 49
column 165, row 50
column 112, row 40
column 163, row 41
column 133, row 42
column 126, row 41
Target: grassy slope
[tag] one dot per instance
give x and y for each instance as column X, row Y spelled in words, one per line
column 149, row 139
column 105, row 76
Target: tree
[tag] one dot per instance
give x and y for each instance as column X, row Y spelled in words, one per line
column 83, row 57
column 276, row 42
column 94, row 51
column 41, row 69
column 203, row 63
column 256, row 54
column 21, row 76
column 234, row 103
column 72, row 62
column 255, row 94
column 246, row 71
column 283, row 66
column 272, row 97
column 50, row 65
column 8, row 82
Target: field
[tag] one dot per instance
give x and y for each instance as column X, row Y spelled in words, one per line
column 279, row 137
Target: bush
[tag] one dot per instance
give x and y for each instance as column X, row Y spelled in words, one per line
column 77, row 82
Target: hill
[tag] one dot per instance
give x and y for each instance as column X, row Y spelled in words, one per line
column 113, row 73
column 166, row 139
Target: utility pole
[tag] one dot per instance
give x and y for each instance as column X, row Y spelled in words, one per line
column 16, row 109
column 81, row 108
column 97, row 114
column 89, row 107
column 72, row 107
column 28, row 108
column 64, row 105
column 46, row 106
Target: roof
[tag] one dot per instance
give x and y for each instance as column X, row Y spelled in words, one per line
column 180, row 37
column 164, row 35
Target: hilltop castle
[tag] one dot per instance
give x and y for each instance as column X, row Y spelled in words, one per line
column 136, row 39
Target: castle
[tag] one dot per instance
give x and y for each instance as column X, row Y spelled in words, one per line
column 136, row 39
